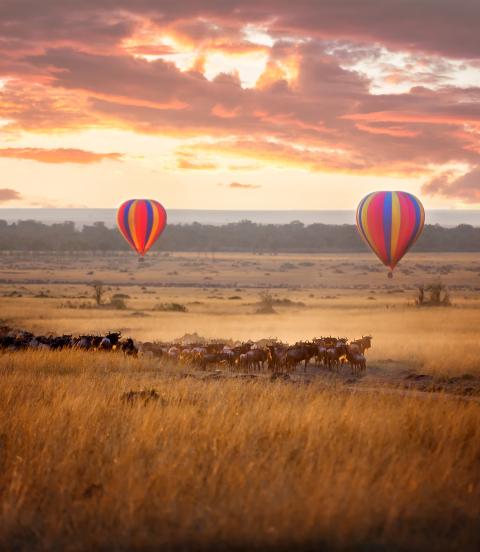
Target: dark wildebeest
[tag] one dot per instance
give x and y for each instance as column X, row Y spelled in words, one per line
column 357, row 360
column 59, row 343
column 210, row 358
column 300, row 352
column 154, row 350
column 362, row 344
column 109, row 342
column 336, row 355
column 276, row 357
column 255, row 358
column 321, row 351
column 128, row 347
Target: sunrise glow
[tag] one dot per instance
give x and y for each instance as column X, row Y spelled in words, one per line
column 177, row 102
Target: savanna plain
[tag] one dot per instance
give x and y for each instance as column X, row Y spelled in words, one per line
column 388, row 459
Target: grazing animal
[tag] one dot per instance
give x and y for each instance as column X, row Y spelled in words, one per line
column 337, row 355
column 105, row 345
column 128, row 347
column 83, row 342
column 173, row 353
column 210, row 358
column 357, row 360
column 228, row 356
column 332, row 352
column 255, row 359
column 363, row 344
column 300, row 352
column 321, row 351
column 276, row 357
column 153, row 350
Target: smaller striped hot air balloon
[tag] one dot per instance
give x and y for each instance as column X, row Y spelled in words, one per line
column 390, row 223
column 141, row 221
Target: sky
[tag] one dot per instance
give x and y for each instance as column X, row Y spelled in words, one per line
column 239, row 104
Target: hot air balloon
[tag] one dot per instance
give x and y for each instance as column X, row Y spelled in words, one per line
column 141, row 221
column 390, row 223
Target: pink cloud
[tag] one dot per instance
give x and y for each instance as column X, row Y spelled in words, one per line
column 7, row 194
column 77, row 69
column 464, row 188
column 428, row 26
column 58, row 155
column 240, row 186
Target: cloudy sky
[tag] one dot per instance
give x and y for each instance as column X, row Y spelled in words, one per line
column 239, row 104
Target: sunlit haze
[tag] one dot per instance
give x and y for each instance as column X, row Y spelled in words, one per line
column 238, row 104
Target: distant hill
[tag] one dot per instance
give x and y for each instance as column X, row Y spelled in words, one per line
column 243, row 236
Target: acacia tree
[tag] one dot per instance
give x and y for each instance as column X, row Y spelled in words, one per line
column 98, row 292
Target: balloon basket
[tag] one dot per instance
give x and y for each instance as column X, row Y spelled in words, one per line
column 390, row 275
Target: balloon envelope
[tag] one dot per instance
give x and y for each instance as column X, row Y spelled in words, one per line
column 390, row 223
column 141, row 221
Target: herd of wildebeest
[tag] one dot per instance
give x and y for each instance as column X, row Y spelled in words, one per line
column 272, row 355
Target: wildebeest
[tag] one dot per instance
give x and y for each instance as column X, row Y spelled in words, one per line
column 362, row 344
column 128, row 347
column 253, row 359
column 300, row 352
column 154, row 350
column 276, row 357
column 337, row 354
column 16, row 340
column 332, row 352
column 357, row 360
column 110, row 341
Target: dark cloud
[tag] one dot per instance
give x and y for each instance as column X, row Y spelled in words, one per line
column 442, row 27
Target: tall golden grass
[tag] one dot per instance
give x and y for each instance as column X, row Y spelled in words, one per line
column 227, row 464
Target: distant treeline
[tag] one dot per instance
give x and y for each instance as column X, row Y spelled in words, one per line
column 242, row 236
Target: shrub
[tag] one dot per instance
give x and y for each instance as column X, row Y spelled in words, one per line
column 117, row 303
column 170, row 307
column 265, row 305
column 433, row 295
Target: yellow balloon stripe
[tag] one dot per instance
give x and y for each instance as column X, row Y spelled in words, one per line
column 131, row 224
column 155, row 224
column 364, row 216
column 395, row 225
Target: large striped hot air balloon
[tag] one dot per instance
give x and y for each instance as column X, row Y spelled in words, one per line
column 390, row 223
column 141, row 221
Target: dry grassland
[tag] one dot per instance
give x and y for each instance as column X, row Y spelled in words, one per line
column 222, row 461
column 227, row 464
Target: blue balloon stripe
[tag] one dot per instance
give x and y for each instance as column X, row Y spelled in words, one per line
column 387, row 225
column 149, row 220
column 125, row 221
column 383, row 217
column 418, row 217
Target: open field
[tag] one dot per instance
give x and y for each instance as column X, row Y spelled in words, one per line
column 224, row 460
column 320, row 295
column 227, row 464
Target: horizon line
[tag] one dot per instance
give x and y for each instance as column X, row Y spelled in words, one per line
column 8, row 208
